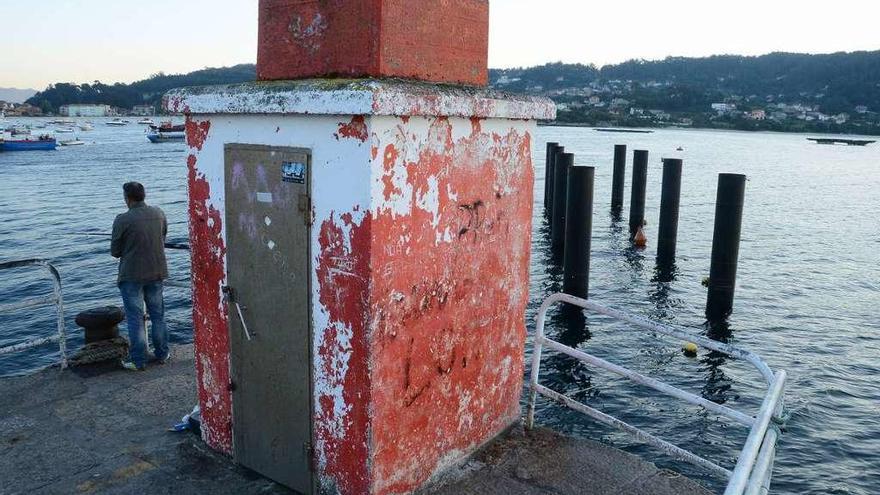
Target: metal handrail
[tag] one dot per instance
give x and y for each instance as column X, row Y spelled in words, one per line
column 55, row 299
column 753, row 469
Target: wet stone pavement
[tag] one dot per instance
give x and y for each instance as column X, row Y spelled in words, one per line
column 101, row 430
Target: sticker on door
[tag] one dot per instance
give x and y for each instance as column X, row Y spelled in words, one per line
column 294, row 172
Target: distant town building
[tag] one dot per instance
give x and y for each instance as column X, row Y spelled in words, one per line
column 723, row 108
column 85, row 110
column 21, row 110
column 861, row 109
column 756, row 115
column 780, row 116
column 144, row 110
column 660, row 114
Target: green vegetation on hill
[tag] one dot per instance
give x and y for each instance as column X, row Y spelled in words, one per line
column 837, row 92
column 146, row 92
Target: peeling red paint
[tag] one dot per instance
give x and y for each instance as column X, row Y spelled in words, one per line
column 343, row 272
column 447, row 318
column 388, row 161
column 210, row 334
column 197, row 132
column 357, row 129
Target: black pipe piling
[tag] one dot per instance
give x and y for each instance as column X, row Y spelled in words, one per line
column 618, row 178
column 578, row 231
column 639, row 186
column 670, row 199
column 548, row 176
column 553, row 154
column 725, row 245
column 560, row 186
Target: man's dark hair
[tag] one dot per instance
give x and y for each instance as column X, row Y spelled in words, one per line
column 134, row 191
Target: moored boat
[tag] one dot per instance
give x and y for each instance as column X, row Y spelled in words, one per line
column 64, row 130
column 117, row 123
column 72, row 142
column 164, row 137
column 146, row 121
column 43, row 143
column 166, row 132
column 86, row 127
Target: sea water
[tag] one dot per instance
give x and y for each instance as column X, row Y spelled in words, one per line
column 807, row 296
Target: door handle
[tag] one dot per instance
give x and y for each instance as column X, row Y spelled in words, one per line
column 229, row 295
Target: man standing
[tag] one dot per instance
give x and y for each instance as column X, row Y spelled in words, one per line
column 139, row 242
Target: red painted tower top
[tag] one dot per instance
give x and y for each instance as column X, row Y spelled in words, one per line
column 438, row 40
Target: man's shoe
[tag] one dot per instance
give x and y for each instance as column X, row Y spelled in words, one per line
column 165, row 360
column 130, row 366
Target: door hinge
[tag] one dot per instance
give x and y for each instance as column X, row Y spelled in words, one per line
column 305, row 207
column 309, row 452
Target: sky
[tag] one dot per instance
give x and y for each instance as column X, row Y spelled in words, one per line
column 46, row 41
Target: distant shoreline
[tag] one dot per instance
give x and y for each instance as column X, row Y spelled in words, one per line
column 695, row 128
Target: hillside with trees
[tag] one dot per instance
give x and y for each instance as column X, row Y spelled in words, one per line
column 146, row 92
column 837, row 92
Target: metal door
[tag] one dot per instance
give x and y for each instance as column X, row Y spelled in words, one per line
column 267, row 227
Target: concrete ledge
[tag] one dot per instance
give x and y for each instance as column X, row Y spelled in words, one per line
column 542, row 461
column 357, row 97
column 103, row 431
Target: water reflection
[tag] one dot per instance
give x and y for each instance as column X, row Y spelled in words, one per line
column 635, row 258
column 718, row 385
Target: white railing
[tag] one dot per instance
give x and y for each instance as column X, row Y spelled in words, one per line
column 55, row 298
column 754, row 467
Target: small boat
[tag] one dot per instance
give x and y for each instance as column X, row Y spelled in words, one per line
column 64, row 130
column 72, row 142
column 633, row 131
column 848, row 142
column 165, row 137
column 116, row 123
column 43, row 143
column 168, row 126
column 679, row 149
column 167, row 132
column 146, row 121
column 86, row 127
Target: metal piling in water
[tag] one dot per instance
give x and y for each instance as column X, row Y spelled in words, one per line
column 618, row 178
column 561, row 165
column 639, row 186
column 725, row 245
column 548, row 178
column 670, row 198
column 578, row 231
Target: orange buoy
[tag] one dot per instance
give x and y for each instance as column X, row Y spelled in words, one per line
column 640, row 239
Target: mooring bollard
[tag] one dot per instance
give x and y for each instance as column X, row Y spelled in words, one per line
column 619, row 176
column 670, row 199
column 560, row 186
column 725, row 245
column 578, row 231
column 639, row 186
column 548, row 177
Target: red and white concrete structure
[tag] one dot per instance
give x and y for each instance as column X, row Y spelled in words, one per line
column 421, row 207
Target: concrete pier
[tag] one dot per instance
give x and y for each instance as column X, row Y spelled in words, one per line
column 103, row 431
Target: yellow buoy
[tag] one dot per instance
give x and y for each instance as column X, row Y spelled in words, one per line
column 690, row 349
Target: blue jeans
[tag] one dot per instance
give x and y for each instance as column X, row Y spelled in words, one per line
column 134, row 295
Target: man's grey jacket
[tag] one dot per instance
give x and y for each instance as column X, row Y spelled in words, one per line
column 139, row 242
